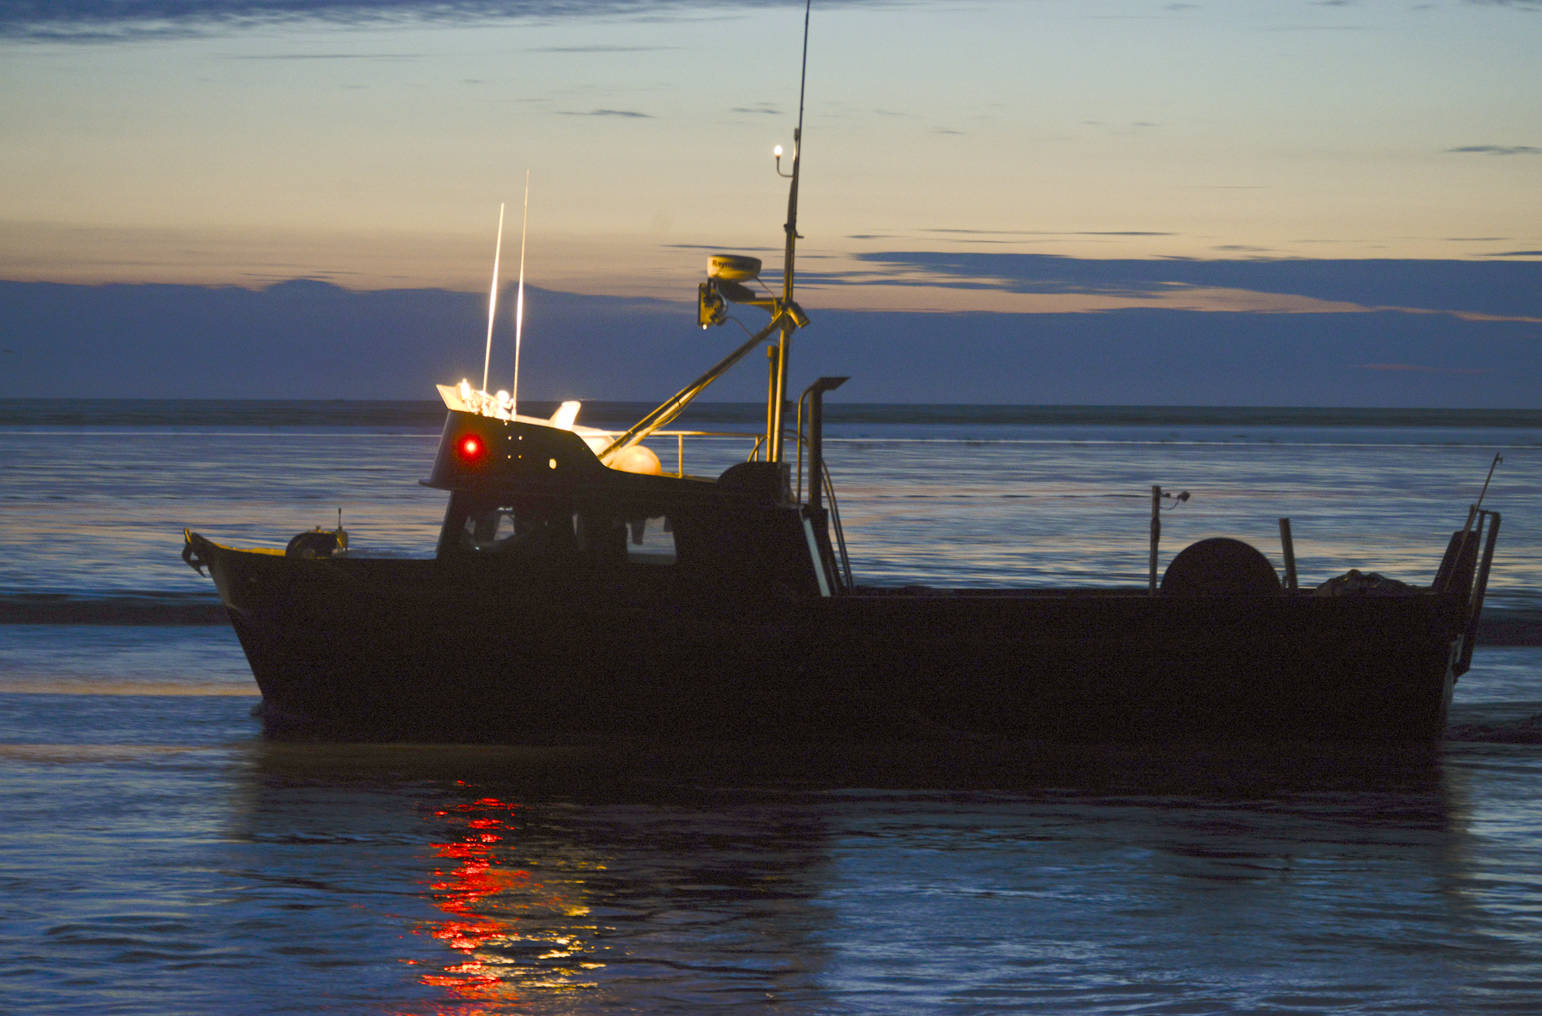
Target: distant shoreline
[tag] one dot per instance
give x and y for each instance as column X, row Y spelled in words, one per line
column 429, row 414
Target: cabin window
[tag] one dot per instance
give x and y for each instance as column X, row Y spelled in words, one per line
column 650, row 540
column 640, row 540
column 503, row 529
column 540, row 529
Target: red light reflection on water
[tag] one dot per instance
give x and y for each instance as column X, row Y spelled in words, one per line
column 496, row 915
column 470, row 876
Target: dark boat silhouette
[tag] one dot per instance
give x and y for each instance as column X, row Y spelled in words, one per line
column 579, row 594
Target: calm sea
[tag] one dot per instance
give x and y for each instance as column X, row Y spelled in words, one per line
column 157, row 856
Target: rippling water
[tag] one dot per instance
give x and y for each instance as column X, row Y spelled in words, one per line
column 157, row 856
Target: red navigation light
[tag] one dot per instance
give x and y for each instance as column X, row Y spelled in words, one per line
column 470, row 448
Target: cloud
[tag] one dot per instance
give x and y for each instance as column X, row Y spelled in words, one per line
column 1499, row 289
column 1419, row 368
column 95, row 21
column 602, row 49
column 286, row 341
column 1121, row 129
column 388, row 57
column 126, row 20
column 1495, row 150
column 626, row 114
column 949, row 231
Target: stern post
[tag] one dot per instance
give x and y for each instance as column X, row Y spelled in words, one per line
column 837, row 572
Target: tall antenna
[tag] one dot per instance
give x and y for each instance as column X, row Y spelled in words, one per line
column 778, row 396
column 724, row 274
column 492, row 300
column 519, row 300
column 797, row 153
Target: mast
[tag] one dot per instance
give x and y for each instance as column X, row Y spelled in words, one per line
column 783, row 350
column 724, row 285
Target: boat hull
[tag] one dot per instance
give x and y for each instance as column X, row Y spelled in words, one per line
column 439, row 650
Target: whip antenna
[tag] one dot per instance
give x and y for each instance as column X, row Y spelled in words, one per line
column 797, row 154
column 1498, row 458
column 519, row 299
column 492, row 299
column 803, row 71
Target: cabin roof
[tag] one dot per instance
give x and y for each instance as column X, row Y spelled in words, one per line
column 520, row 458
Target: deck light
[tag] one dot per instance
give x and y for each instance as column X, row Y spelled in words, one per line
column 777, row 151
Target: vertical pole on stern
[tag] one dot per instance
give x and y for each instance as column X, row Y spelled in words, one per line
column 1288, row 548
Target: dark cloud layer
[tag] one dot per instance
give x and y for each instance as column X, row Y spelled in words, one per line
column 307, row 339
column 1509, row 288
column 1495, row 150
column 119, row 20
column 623, row 114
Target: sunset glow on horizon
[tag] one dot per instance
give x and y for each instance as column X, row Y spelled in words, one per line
column 373, row 152
column 1373, row 164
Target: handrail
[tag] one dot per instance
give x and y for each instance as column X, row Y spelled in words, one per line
column 803, row 440
column 680, row 435
column 835, row 523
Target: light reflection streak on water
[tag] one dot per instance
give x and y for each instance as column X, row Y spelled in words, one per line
column 513, row 933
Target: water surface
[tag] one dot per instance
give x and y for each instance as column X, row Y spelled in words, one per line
column 158, row 856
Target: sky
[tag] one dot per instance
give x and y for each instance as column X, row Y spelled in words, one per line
column 1225, row 180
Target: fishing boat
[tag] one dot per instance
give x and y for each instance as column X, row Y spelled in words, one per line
column 579, row 593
